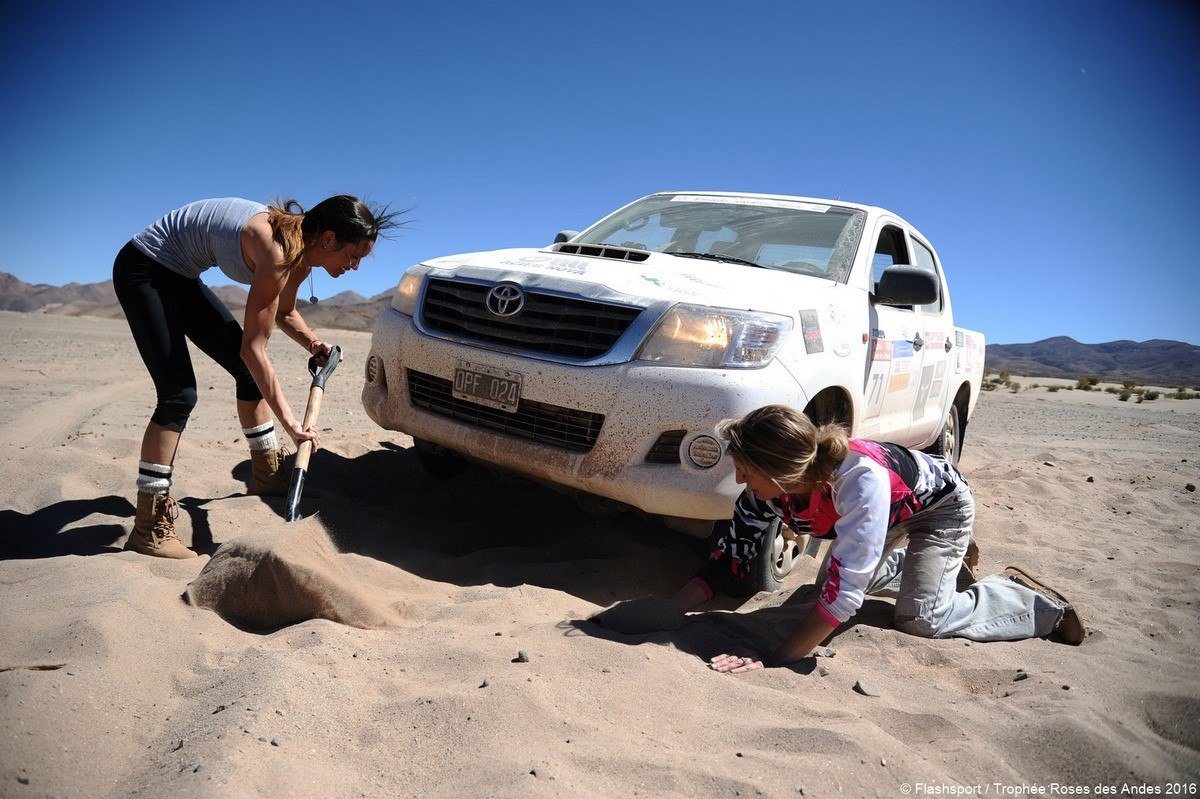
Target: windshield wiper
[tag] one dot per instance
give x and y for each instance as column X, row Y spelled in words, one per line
column 708, row 256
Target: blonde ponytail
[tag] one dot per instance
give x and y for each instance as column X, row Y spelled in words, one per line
column 783, row 444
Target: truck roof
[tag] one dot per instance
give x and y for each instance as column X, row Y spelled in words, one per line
column 821, row 200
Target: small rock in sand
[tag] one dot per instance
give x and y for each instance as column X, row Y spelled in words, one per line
column 866, row 689
column 276, row 742
column 1020, row 675
column 1190, row 487
column 822, row 671
column 485, row 683
column 278, row 712
column 23, row 780
column 1091, row 479
column 824, row 652
column 522, row 656
column 1051, row 464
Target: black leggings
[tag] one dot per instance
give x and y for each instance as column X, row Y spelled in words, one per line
column 162, row 307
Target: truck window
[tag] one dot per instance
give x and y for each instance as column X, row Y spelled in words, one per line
column 889, row 250
column 924, row 259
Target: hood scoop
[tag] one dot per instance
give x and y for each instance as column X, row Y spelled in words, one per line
column 615, row 253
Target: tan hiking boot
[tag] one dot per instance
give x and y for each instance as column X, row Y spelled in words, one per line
column 1069, row 629
column 154, row 528
column 270, row 470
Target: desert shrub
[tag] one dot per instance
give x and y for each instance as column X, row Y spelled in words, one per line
column 1129, row 384
column 1182, row 393
column 1140, row 397
column 1005, row 377
column 1053, row 388
column 988, row 386
column 1125, row 395
column 1014, row 387
column 1083, row 384
column 1035, row 385
column 1151, row 395
column 1113, row 390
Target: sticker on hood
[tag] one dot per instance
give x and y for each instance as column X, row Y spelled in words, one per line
column 811, row 327
column 553, row 263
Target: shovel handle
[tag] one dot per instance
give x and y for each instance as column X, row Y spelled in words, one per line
column 304, row 451
column 316, row 393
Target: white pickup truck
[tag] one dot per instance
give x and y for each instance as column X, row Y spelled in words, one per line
column 602, row 363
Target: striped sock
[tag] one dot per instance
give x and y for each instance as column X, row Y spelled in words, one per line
column 153, row 478
column 261, row 437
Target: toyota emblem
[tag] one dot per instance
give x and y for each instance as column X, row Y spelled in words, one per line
column 505, row 300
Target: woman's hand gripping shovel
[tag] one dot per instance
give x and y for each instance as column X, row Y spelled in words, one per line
column 315, row 392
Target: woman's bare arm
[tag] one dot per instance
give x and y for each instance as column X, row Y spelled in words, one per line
column 287, row 315
column 261, row 306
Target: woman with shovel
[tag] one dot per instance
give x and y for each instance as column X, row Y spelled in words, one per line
column 273, row 249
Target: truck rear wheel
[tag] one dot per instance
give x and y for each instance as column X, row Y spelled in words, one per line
column 948, row 443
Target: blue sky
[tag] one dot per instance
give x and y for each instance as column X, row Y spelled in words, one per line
column 1047, row 149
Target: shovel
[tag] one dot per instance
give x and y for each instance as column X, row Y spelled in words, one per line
column 315, row 392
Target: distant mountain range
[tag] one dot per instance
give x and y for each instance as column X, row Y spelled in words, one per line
column 1158, row 360
column 346, row 311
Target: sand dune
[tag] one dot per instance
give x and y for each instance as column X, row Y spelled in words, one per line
column 111, row 684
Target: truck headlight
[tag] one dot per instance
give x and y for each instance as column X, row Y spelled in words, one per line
column 405, row 299
column 695, row 335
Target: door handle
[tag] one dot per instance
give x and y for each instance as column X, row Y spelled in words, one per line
column 918, row 342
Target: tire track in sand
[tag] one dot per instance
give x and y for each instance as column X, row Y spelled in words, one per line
column 51, row 422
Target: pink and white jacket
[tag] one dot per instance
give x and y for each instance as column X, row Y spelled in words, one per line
column 876, row 487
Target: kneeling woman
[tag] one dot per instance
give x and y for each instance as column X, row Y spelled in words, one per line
column 871, row 498
column 157, row 281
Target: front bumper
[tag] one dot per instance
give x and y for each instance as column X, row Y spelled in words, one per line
column 639, row 402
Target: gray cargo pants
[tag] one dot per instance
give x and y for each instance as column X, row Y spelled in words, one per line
column 919, row 567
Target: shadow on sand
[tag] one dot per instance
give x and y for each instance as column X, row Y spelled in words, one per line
column 711, row 632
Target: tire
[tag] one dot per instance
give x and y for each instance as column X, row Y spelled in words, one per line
column 438, row 461
column 948, row 443
column 776, row 559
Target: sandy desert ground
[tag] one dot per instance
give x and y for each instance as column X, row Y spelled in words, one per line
column 111, row 685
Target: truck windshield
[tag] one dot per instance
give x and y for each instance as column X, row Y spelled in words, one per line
column 788, row 235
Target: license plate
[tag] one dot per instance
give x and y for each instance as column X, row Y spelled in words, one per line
column 484, row 385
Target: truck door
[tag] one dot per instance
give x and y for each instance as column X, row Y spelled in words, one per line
column 937, row 340
column 892, row 357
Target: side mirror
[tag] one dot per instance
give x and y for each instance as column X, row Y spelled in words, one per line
column 902, row 284
column 565, row 235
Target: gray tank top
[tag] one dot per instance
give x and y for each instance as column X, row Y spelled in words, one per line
column 200, row 235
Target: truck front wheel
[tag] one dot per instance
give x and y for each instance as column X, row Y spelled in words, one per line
column 440, row 462
column 776, row 559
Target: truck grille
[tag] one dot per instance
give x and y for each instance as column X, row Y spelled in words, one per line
column 562, row 326
column 534, row 421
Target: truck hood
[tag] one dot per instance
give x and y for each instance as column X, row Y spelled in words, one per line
column 661, row 277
